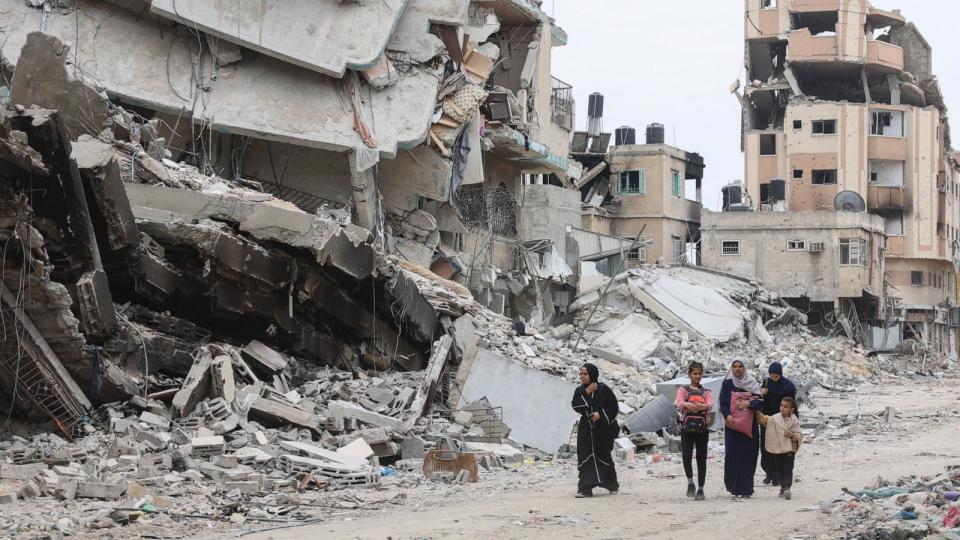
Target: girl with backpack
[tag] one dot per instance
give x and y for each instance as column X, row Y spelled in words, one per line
column 695, row 404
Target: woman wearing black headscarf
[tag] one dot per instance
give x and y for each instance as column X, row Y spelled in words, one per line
column 775, row 388
column 597, row 406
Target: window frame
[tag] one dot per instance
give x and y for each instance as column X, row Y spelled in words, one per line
column 916, row 278
column 795, row 171
column 855, row 257
column 677, row 184
column 641, row 188
column 678, row 248
column 733, row 253
column 766, row 136
column 823, row 124
column 802, row 245
column 814, row 173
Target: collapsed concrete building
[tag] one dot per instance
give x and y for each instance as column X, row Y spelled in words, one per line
column 181, row 174
column 850, row 205
column 424, row 126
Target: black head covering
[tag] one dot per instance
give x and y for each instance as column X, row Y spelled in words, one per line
column 592, row 371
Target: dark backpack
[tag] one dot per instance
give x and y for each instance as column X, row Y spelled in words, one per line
column 697, row 422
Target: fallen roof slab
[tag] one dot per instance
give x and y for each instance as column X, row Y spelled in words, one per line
column 694, row 308
column 536, row 405
column 633, row 338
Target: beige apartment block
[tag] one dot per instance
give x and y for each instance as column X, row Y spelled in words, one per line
column 820, row 256
column 648, row 183
column 842, row 114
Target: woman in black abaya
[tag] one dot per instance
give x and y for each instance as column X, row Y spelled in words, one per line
column 597, row 406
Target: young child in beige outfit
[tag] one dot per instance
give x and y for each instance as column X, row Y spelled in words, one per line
column 782, row 441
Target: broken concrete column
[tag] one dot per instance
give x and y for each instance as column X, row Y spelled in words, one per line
column 96, row 304
column 222, row 377
column 42, row 79
column 343, row 409
column 195, row 386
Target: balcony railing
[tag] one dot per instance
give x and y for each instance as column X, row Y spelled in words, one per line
column 882, row 199
column 562, row 108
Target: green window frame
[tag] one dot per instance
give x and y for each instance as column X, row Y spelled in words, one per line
column 677, row 185
column 633, row 182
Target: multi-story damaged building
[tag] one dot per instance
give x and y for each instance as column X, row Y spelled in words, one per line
column 423, row 121
column 850, row 184
column 652, row 190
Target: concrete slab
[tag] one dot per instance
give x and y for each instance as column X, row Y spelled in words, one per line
column 699, row 310
column 633, row 338
column 46, row 82
column 316, row 452
column 261, row 96
column 412, row 35
column 358, row 449
column 320, row 36
column 344, row 409
column 536, row 405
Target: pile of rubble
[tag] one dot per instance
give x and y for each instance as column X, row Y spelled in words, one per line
column 909, row 507
column 637, row 321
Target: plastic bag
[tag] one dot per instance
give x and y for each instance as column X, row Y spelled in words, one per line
column 742, row 418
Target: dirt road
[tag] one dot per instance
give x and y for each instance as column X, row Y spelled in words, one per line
column 652, row 501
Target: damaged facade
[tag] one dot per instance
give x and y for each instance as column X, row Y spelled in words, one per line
column 850, row 205
column 650, row 191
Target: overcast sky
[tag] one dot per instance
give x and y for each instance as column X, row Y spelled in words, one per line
column 660, row 62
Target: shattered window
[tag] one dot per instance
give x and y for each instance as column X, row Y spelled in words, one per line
column 916, row 278
column 796, row 245
column 637, row 254
column 852, row 252
column 730, row 247
column 824, row 127
column 827, row 176
column 633, row 182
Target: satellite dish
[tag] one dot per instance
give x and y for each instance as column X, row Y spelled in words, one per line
column 849, row 201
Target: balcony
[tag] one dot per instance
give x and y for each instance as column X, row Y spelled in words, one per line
column 562, row 107
column 884, row 56
column 803, row 47
column 886, row 148
column 885, row 199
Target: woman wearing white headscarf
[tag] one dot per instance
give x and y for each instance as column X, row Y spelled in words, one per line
column 740, row 462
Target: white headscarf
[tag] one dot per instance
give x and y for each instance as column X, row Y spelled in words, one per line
column 746, row 383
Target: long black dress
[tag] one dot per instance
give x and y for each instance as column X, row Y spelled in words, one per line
column 595, row 439
column 740, row 462
column 776, row 391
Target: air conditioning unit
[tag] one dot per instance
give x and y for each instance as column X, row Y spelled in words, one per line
column 814, row 247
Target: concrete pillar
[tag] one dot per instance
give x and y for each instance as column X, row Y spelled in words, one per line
column 364, row 195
